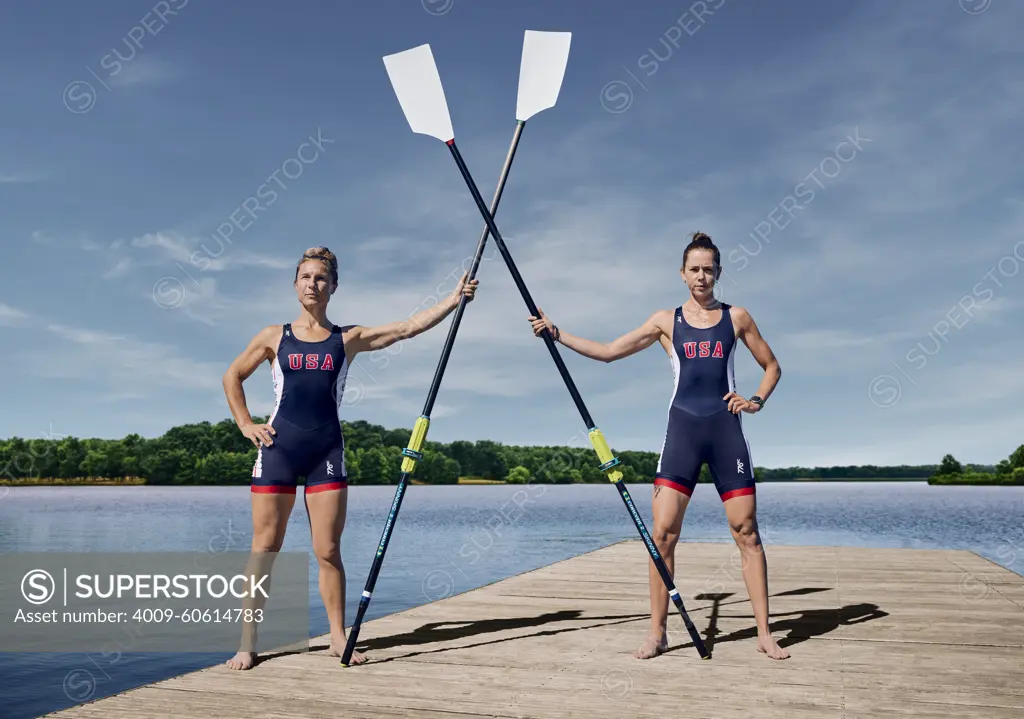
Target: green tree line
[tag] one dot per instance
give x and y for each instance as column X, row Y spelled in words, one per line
column 1007, row 471
column 208, row 453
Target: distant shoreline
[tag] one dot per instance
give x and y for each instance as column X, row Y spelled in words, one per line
column 476, row 481
column 216, row 454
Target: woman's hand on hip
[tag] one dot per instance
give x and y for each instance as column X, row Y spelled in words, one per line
column 738, row 404
column 259, row 433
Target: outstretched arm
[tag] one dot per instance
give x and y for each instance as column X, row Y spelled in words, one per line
column 363, row 339
column 746, row 330
column 630, row 343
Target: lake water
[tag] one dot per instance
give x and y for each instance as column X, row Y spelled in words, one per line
column 449, row 539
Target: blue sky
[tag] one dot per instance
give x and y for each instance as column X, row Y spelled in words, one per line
column 858, row 164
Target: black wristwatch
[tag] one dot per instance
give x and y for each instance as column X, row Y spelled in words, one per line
column 758, row 401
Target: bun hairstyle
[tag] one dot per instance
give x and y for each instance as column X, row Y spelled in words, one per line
column 701, row 241
column 320, row 254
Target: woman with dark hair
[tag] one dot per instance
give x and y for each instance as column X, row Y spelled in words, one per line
column 309, row 361
column 704, row 425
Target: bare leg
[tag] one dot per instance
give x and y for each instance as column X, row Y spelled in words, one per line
column 327, row 512
column 669, row 506
column 270, row 514
column 742, row 515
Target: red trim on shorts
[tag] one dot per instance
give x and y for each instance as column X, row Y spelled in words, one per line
column 272, row 489
column 325, row 487
column 672, row 484
column 738, row 493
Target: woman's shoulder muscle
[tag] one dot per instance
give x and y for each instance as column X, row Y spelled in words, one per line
column 268, row 339
column 740, row 317
column 663, row 320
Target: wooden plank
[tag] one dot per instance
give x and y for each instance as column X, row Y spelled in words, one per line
column 872, row 632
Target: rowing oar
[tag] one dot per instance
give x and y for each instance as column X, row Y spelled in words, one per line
column 545, row 55
column 417, row 84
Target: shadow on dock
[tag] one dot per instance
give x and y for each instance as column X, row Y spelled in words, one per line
column 447, row 631
column 799, row 626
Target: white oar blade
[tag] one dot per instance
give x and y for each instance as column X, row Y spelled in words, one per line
column 415, row 80
column 545, row 55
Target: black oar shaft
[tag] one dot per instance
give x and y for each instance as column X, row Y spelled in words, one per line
column 652, row 549
column 500, row 243
column 419, row 431
column 442, row 364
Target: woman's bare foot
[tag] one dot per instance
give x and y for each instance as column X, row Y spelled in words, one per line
column 242, row 660
column 337, row 648
column 766, row 644
column 652, row 646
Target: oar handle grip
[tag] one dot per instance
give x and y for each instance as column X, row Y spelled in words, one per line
column 604, row 453
column 412, row 452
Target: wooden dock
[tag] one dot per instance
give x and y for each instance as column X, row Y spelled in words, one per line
column 871, row 633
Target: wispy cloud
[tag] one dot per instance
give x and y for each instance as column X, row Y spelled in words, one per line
column 247, row 258
column 175, row 246
column 79, row 242
column 145, row 71
column 841, row 339
column 11, row 316
column 118, row 366
column 118, row 362
column 127, row 364
column 199, row 300
column 975, row 383
column 197, row 253
column 118, row 270
column 19, row 179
